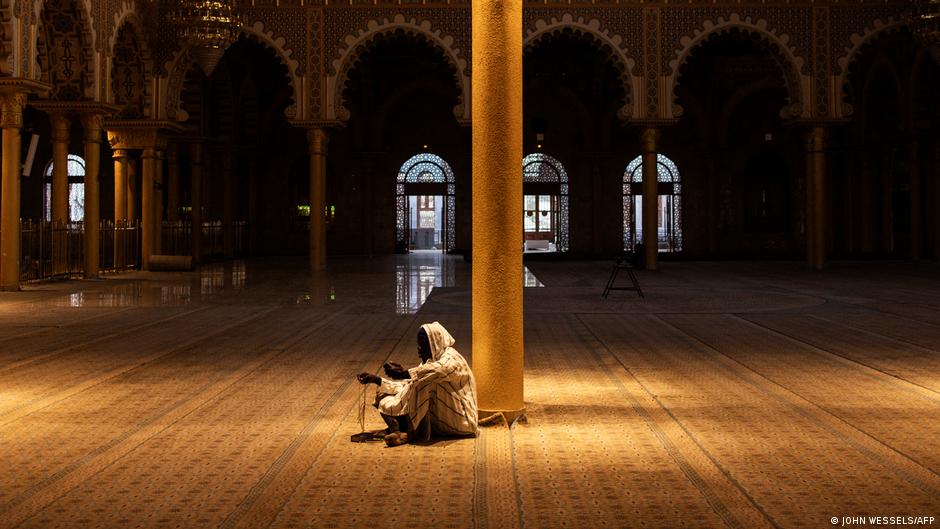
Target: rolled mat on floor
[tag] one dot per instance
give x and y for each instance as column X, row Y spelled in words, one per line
column 170, row 263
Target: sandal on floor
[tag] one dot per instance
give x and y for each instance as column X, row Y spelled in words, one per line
column 365, row 437
column 396, row 439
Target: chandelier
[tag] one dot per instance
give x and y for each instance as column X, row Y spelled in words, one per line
column 925, row 24
column 207, row 26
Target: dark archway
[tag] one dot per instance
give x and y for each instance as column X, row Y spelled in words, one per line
column 733, row 87
column 400, row 93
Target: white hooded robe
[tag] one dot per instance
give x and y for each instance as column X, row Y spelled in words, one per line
column 442, row 388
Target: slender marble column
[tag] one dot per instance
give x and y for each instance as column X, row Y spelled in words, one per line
column 92, row 125
column 253, row 204
column 318, row 140
column 133, row 188
column 196, row 154
column 228, row 205
column 649, row 140
column 172, row 183
column 148, row 210
column 61, row 134
column 917, row 237
column 817, row 212
column 497, row 205
column 11, row 120
column 159, row 197
column 120, row 185
column 120, row 206
column 936, row 199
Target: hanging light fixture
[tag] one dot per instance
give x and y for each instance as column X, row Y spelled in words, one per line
column 208, row 26
column 925, row 24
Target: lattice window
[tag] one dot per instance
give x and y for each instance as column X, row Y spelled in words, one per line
column 669, row 205
column 541, row 168
column 76, row 176
column 426, row 168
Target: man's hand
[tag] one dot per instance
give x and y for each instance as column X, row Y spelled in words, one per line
column 395, row 371
column 368, row 378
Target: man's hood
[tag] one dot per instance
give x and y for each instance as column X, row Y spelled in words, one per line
column 439, row 337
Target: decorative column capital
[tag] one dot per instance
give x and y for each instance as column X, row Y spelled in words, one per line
column 61, row 126
column 119, row 154
column 11, row 109
column 92, row 124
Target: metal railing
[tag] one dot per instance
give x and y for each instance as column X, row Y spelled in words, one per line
column 56, row 250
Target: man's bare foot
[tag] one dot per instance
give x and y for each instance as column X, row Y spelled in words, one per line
column 396, row 439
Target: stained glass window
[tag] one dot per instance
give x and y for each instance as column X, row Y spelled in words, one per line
column 669, row 205
column 425, row 168
column 542, row 168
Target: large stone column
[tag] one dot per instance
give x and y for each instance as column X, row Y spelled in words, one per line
column 148, row 210
column 61, row 134
column 649, row 140
column 318, row 140
column 172, row 183
column 816, row 214
column 196, row 153
column 11, row 120
column 92, row 125
column 497, row 205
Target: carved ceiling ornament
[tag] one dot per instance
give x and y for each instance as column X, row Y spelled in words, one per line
column 65, row 50
column 612, row 44
column 798, row 85
column 858, row 42
column 130, row 72
column 356, row 45
column 183, row 61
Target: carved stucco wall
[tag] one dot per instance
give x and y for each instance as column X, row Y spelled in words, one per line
column 351, row 35
column 317, row 42
column 182, row 61
column 612, row 44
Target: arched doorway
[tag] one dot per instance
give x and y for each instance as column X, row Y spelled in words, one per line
column 425, row 204
column 669, row 204
column 545, row 204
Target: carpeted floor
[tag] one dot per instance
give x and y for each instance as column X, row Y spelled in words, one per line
column 741, row 395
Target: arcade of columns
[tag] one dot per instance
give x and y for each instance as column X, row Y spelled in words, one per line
column 816, row 74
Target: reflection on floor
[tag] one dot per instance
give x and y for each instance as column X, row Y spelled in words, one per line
column 741, row 395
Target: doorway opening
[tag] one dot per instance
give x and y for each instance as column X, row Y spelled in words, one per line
column 668, row 203
column 425, row 205
column 545, row 204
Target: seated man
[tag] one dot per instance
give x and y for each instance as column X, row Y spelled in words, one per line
column 439, row 395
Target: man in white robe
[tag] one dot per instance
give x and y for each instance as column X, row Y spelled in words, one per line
column 438, row 396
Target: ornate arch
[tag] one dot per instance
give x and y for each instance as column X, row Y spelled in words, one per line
column 7, row 52
column 131, row 72
column 355, row 45
column 65, row 47
column 612, row 44
column 857, row 43
column 182, row 61
column 798, row 84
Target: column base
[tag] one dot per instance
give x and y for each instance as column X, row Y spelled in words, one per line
column 491, row 418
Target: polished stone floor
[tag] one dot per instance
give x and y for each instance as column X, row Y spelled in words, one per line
column 742, row 395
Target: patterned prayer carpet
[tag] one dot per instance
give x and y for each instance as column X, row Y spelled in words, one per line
column 739, row 395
